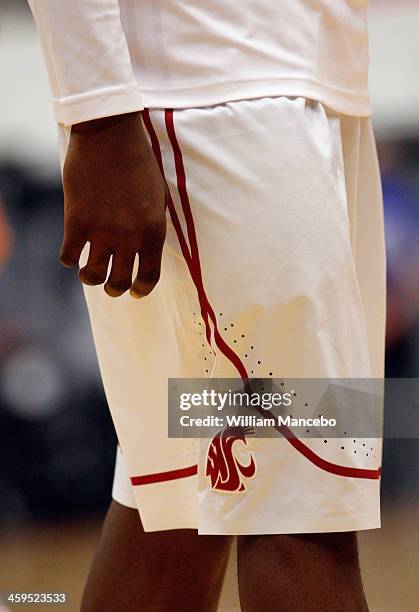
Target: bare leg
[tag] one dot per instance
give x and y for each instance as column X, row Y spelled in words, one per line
column 153, row 572
column 300, row 573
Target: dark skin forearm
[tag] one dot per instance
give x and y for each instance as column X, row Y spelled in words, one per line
column 114, row 197
column 103, row 123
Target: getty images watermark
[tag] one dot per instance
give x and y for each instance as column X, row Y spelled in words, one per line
column 305, row 407
column 316, row 408
column 225, row 401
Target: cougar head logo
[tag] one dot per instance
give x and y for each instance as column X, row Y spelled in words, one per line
column 225, row 472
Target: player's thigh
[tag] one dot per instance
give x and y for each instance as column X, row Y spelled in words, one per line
column 153, row 571
column 313, row 571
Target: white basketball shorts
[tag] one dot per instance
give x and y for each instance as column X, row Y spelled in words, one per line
column 273, row 265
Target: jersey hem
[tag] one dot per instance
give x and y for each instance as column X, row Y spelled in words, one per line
column 342, row 101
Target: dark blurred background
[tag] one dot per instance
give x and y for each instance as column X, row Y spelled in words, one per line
column 57, row 443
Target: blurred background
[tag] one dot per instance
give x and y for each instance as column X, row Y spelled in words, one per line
column 57, row 443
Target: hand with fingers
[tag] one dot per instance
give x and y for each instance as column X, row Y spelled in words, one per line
column 115, row 199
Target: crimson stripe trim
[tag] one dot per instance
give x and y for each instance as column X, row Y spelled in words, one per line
column 190, row 227
column 190, row 261
column 157, row 153
column 186, row 207
column 192, row 470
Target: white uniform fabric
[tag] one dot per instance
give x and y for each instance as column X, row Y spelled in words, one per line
column 274, row 253
column 87, row 59
column 188, row 54
column 107, row 57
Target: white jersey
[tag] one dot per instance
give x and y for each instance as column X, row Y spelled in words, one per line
column 106, row 57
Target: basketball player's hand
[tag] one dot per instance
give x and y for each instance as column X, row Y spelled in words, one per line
column 114, row 197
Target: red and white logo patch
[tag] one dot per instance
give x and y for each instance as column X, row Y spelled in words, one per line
column 224, row 470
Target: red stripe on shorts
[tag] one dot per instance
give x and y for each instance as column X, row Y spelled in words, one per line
column 164, row 476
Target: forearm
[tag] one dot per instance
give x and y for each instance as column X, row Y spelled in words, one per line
column 102, row 124
column 118, row 140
